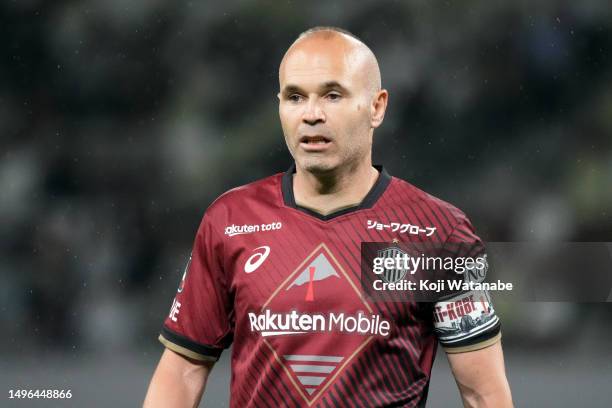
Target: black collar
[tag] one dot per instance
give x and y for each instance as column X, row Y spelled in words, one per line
column 370, row 199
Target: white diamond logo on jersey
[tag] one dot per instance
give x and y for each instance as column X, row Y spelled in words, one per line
column 316, row 323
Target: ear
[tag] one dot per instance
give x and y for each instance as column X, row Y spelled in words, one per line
column 378, row 107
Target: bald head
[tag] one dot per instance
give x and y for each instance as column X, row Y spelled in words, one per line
column 321, row 46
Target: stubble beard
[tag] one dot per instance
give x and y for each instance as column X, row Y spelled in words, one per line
column 324, row 165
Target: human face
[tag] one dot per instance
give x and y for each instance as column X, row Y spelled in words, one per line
column 324, row 106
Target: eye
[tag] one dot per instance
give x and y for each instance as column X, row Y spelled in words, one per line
column 295, row 98
column 333, row 96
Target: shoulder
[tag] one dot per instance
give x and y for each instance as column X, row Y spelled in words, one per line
column 262, row 192
column 408, row 195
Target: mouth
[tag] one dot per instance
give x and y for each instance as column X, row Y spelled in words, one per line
column 314, row 140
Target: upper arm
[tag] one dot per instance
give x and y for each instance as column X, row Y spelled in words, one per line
column 481, row 377
column 466, row 320
column 200, row 323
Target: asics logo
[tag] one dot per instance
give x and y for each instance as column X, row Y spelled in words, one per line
column 256, row 259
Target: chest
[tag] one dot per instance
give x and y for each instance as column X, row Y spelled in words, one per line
column 305, row 271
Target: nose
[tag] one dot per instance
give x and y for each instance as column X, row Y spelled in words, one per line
column 313, row 113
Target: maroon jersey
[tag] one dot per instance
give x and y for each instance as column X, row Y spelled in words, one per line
column 281, row 284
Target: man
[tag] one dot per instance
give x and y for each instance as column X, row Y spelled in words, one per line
column 275, row 265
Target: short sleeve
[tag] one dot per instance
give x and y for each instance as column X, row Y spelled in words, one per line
column 199, row 324
column 466, row 320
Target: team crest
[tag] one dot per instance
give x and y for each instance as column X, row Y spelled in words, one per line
column 392, row 275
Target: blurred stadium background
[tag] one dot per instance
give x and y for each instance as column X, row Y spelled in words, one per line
column 121, row 121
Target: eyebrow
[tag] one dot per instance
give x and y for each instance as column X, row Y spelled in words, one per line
column 326, row 86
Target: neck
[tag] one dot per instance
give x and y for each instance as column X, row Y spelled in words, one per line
column 332, row 191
